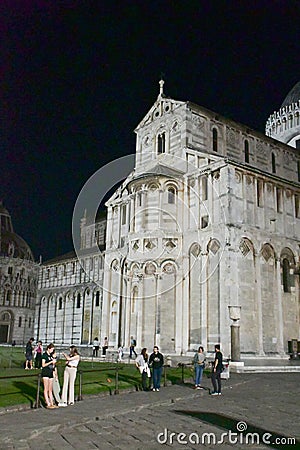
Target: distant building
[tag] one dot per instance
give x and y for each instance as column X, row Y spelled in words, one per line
column 69, row 306
column 209, row 218
column 284, row 125
column 18, row 284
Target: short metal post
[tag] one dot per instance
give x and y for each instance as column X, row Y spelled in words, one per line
column 165, row 376
column 79, row 398
column 37, row 400
column 117, row 381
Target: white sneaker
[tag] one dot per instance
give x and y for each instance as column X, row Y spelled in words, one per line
column 61, row 404
column 214, row 393
column 157, row 390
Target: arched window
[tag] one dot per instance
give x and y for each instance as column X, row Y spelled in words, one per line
column 5, row 317
column 124, row 211
column 20, row 322
column 204, row 188
column 8, row 297
column 215, row 139
column 171, row 195
column 60, row 303
column 114, row 324
column 97, row 301
column 297, row 206
column 78, row 303
column 279, row 202
column 259, row 192
column 246, row 144
column 286, row 275
column 273, row 163
column 134, row 297
column 161, row 143
column 139, row 199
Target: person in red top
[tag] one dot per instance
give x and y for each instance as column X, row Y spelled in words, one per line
column 38, row 355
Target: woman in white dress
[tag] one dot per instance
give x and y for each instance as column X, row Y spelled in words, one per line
column 70, row 376
column 141, row 363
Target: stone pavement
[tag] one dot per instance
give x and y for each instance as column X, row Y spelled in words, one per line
column 262, row 403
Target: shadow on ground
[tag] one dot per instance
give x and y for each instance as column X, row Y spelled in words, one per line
column 242, row 431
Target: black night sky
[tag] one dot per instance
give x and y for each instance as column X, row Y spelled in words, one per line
column 78, row 76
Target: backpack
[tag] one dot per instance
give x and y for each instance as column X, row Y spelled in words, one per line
column 195, row 359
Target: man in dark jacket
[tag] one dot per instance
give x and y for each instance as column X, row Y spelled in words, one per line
column 156, row 362
column 217, row 369
column 28, row 354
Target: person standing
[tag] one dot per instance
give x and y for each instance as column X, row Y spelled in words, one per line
column 120, row 354
column 105, row 346
column 199, row 364
column 96, row 347
column 55, row 383
column 28, row 354
column 38, row 355
column 217, row 369
column 48, row 367
column 141, row 363
column 156, row 361
column 69, row 376
column 132, row 347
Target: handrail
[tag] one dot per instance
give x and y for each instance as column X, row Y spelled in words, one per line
column 108, row 369
column 20, row 376
column 116, row 368
column 102, row 370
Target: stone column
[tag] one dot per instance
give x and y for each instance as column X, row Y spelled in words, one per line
column 118, row 237
column 157, row 311
column 139, row 312
column 235, row 314
column 280, row 342
column 259, row 306
column 204, row 304
column 235, row 341
column 131, row 225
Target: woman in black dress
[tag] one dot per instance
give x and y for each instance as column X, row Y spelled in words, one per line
column 48, row 367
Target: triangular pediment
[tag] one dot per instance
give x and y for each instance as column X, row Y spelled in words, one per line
column 163, row 105
column 160, row 169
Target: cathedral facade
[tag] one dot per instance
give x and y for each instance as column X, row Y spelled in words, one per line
column 18, row 284
column 208, row 219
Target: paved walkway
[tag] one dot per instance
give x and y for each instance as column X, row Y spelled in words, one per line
column 264, row 403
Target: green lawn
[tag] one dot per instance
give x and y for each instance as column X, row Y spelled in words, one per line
column 97, row 377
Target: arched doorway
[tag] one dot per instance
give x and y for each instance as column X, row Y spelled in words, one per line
column 5, row 327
